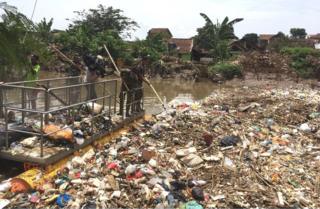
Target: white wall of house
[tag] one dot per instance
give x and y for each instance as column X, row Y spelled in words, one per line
column 317, row 46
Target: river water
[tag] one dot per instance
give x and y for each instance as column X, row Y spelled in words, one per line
column 167, row 89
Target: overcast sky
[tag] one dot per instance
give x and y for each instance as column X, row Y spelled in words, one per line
column 182, row 16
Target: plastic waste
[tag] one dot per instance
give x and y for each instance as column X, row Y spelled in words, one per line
column 305, row 127
column 197, row 193
column 153, row 163
column 94, row 107
column 34, row 198
column 185, row 152
column 4, row 203
column 130, row 169
column 78, row 134
column 228, row 163
column 229, row 141
column 192, row 160
column 148, row 154
column 191, row 205
column 29, row 142
column 5, row 185
column 113, row 166
column 208, row 138
column 63, row 199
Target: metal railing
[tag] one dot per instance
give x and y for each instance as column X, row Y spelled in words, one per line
column 63, row 95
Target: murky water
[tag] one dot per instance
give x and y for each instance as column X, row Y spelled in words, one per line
column 167, row 90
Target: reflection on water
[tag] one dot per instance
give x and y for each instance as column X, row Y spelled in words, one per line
column 167, row 89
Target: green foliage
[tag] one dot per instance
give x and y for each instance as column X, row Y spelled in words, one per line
column 251, row 40
column 281, row 41
column 186, row 57
column 227, row 70
column 154, row 47
column 102, row 19
column 215, row 37
column 96, row 27
column 18, row 39
column 44, row 30
column 300, row 52
column 301, row 62
column 299, row 33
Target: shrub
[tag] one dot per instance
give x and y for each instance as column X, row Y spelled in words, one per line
column 301, row 52
column 227, row 70
column 301, row 62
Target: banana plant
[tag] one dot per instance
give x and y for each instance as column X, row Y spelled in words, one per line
column 215, row 37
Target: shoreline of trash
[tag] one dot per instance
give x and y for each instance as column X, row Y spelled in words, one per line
column 242, row 147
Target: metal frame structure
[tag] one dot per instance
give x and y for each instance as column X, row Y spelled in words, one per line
column 50, row 87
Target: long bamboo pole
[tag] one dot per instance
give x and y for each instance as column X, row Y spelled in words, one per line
column 147, row 81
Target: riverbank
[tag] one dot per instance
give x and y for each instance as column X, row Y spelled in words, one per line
column 246, row 146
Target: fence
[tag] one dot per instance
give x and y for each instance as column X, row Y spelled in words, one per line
column 43, row 98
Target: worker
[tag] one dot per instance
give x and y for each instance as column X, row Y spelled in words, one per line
column 73, row 72
column 126, row 91
column 139, row 72
column 32, row 75
column 91, row 76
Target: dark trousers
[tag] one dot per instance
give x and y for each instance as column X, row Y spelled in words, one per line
column 74, row 92
column 138, row 97
column 91, row 91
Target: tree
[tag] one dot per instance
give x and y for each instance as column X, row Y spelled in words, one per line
column 18, row 39
column 215, row 37
column 96, row 27
column 153, row 46
column 251, row 40
column 299, row 33
column 281, row 35
column 44, row 30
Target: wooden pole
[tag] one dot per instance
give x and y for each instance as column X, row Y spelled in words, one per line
column 155, row 92
column 147, row 81
column 115, row 66
column 66, row 58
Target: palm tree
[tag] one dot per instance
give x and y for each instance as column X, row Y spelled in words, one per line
column 44, row 29
column 215, row 37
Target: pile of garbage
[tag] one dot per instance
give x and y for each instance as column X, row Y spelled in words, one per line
column 64, row 130
column 240, row 147
column 266, row 65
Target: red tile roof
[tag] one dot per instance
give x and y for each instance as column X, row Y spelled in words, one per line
column 184, row 45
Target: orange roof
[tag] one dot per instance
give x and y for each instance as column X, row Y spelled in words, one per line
column 184, row 45
column 266, row 37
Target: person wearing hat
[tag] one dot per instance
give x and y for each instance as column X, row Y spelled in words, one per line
column 32, row 75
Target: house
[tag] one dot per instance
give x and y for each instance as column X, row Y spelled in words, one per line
column 265, row 40
column 315, row 39
column 164, row 32
column 180, row 45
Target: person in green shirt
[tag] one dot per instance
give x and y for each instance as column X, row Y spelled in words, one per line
column 32, row 75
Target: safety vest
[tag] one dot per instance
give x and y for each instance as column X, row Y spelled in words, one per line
column 33, row 74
